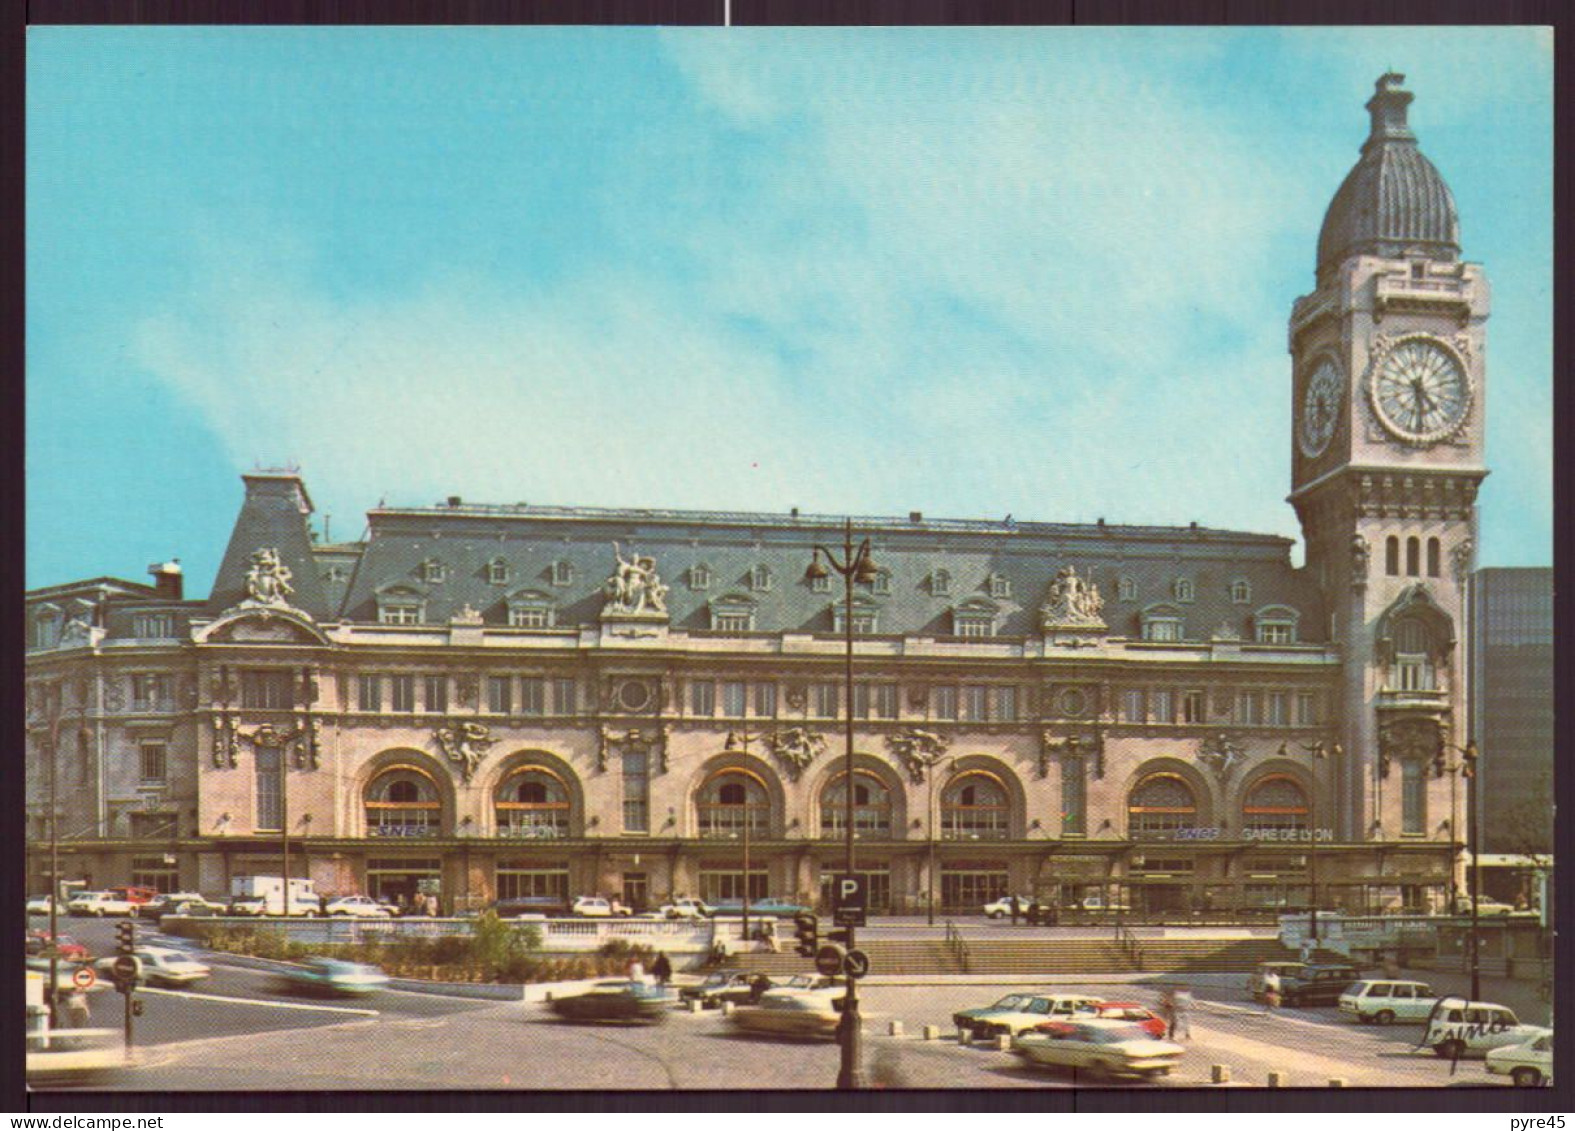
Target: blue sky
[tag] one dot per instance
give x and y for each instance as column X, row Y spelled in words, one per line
column 963, row 271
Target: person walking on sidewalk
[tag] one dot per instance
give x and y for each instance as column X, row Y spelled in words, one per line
column 1271, row 989
column 1181, row 1015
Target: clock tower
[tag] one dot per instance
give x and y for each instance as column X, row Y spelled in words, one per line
column 1388, row 383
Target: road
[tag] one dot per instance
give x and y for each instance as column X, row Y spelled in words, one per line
column 238, row 1031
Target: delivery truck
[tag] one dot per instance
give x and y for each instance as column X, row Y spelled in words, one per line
column 264, row 895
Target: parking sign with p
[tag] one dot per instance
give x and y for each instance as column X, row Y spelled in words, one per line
column 849, row 900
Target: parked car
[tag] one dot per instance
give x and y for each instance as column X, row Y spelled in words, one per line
column 1485, row 906
column 134, row 894
column 1255, row 983
column 355, row 907
column 764, row 907
column 247, row 905
column 1530, row 1065
column 1102, row 1047
column 724, row 985
column 1133, row 1013
column 160, row 966
column 1457, row 1028
column 1097, row 903
column 38, row 904
column 686, row 908
column 530, row 907
column 1384, row 1003
column 595, row 907
column 1317, row 984
column 333, row 976
column 165, row 903
column 808, row 983
column 619, row 1000
column 199, row 905
column 68, row 947
column 793, row 1012
column 1024, row 1011
column 100, row 903
column 1001, row 908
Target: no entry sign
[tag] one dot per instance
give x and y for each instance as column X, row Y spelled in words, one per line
column 83, row 978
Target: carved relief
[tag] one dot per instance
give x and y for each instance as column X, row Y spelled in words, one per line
column 795, row 748
column 467, row 689
column 1072, row 746
column 1461, row 557
column 302, row 740
column 226, row 742
column 634, row 589
column 465, row 744
column 268, row 580
column 1072, row 602
column 468, row 614
column 1361, row 555
column 1221, row 754
column 656, row 738
column 916, row 751
column 797, row 696
column 1414, row 738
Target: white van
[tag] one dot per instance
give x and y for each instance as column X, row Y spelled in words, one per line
column 1458, row 1028
column 1388, row 1002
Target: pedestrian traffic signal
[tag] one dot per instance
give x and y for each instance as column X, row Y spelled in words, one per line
column 806, row 929
column 126, row 938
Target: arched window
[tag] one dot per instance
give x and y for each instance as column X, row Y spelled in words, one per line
column 975, row 806
column 1392, row 556
column 1432, row 557
column 729, row 800
column 403, row 801
column 1277, row 803
column 871, row 806
column 1159, row 805
column 533, row 803
column 1413, row 666
column 1413, row 555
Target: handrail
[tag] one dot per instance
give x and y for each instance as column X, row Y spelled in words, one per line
column 1127, row 940
column 959, row 947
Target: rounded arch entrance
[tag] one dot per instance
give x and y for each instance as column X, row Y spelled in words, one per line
column 1165, row 795
column 534, row 795
column 879, row 800
column 405, row 793
column 980, row 798
column 732, row 791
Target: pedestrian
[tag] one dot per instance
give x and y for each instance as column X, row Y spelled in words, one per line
column 769, row 934
column 758, row 987
column 1017, row 909
column 78, row 1015
column 1271, row 989
column 1181, row 1004
column 432, row 906
column 1167, row 1011
column 1033, row 913
column 662, row 969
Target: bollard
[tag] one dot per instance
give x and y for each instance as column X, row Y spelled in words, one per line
column 727, row 1008
column 964, row 1036
column 1003, row 1043
column 1221, row 1073
column 932, row 1032
column 1276, row 1079
column 696, row 1005
column 894, row 1029
column 546, row 995
column 1337, row 1082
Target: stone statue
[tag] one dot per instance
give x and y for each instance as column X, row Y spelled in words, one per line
column 1361, row 553
column 634, row 588
column 1072, row 601
column 917, row 750
column 465, row 744
column 1221, row 754
column 268, row 579
column 1460, row 558
column 796, row 748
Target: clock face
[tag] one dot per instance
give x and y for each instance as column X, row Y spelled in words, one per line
column 1320, row 408
column 1420, row 391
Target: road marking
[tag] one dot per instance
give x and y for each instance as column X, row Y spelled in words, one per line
column 264, row 1004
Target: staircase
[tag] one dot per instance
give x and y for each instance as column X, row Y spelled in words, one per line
column 1029, row 956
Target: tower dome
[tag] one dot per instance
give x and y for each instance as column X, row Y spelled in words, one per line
column 1393, row 203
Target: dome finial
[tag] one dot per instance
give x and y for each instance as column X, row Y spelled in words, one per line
column 1388, row 108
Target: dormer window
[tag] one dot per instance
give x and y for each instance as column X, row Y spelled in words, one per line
column 1161, row 624
column 1275, row 624
column 1126, row 589
column 1240, row 592
column 153, row 626
column 733, row 613
column 562, row 573
column 400, row 605
column 760, row 578
column 497, row 572
column 432, row 571
column 881, row 583
column 46, row 627
column 1000, row 586
column 531, row 609
column 974, row 618
column 940, row 583
column 1183, row 590
column 699, row 577
column 820, row 584
column 865, row 617
column 336, row 572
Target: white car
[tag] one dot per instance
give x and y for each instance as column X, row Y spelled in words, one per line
column 792, row 1013
column 38, row 905
column 100, row 903
column 1097, row 903
column 1530, row 1065
column 595, row 907
column 356, row 907
column 1001, row 908
column 1015, row 1013
column 160, row 966
column 1485, row 907
column 1387, row 1002
column 1460, row 1028
column 685, row 908
column 1102, row 1047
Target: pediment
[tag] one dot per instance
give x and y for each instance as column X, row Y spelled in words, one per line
column 261, row 626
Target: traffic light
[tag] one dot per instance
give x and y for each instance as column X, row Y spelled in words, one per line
column 806, row 929
column 126, row 938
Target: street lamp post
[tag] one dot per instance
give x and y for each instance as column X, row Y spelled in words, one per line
column 1319, row 751
column 1466, row 767
column 855, row 564
column 932, row 764
column 57, row 716
column 740, row 742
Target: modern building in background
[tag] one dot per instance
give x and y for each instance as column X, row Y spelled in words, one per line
column 485, row 701
column 1512, row 706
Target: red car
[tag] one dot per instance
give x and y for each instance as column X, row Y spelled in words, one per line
column 70, row 949
column 1151, row 1022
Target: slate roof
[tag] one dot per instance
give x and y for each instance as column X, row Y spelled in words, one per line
column 1394, row 200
